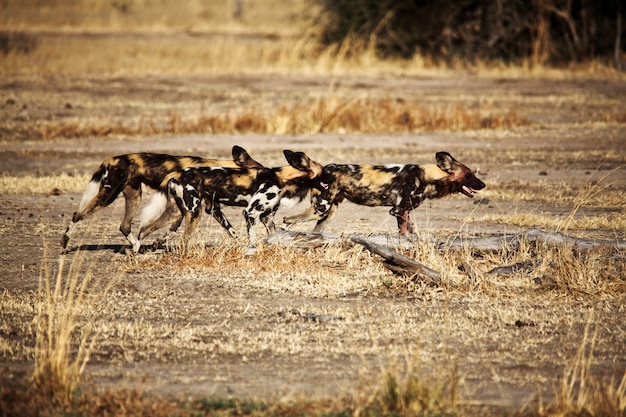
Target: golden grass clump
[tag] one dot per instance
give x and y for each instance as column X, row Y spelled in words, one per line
column 53, row 185
column 65, row 336
column 322, row 115
column 412, row 392
column 579, row 392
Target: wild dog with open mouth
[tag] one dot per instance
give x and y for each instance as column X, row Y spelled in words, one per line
column 260, row 190
column 125, row 174
column 403, row 187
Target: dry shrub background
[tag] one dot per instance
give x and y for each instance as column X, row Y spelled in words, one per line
column 332, row 114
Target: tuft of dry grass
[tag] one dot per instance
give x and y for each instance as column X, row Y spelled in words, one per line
column 412, row 392
column 65, row 338
column 52, row 185
column 579, row 392
column 323, row 115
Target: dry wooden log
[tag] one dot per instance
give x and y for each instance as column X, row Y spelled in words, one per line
column 314, row 239
column 536, row 235
column 300, row 239
column 378, row 244
column 484, row 243
column 512, row 242
column 397, row 262
column 401, row 264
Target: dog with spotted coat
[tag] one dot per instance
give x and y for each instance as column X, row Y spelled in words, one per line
column 126, row 173
column 402, row 187
column 259, row 190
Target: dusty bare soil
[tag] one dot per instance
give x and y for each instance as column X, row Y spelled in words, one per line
column 197, row 332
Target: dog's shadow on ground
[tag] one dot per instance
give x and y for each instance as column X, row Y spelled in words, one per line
column 116, row 248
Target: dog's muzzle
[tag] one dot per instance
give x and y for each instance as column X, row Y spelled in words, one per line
column 468, row 191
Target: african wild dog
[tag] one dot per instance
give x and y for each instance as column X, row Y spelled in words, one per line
column 403, row 187
column 125, row 174
column 260, row 190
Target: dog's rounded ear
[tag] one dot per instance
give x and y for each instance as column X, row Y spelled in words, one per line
column 298, row 160
column 242, row 158
column 445, row 161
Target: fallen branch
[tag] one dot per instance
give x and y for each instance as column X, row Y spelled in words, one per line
column 309, row 240
column 484, row 243
column 400, row 264
column 512, row 242
column 378, row 244
column 397, row 262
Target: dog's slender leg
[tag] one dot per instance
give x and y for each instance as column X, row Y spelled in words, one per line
column 133, row 198
column 402, row 216
column 192, row 218
column 214, row 209
column 330, row 213
column 178, row 219
column 250, row 224
column 261, row 209
column 305, row 216
column 268, row 221
column 68, row 232
column 409, row 224
column 88, row 204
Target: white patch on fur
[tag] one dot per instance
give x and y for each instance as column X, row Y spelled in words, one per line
column 154, row 209
column 239, row 199
column 176, row 189
column 399, row 167
column 179, row 190
column 287, row 203
column 321, row 206
column 89, row 194
column 262, row 197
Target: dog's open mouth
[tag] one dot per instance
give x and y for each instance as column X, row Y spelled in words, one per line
column 468, row 191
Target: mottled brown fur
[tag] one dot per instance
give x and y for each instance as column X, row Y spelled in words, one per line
column 402, row 187
column 126, row 173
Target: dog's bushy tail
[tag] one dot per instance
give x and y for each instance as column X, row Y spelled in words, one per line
column 92, row 189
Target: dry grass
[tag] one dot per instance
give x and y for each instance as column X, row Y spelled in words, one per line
column 51, row 185
column 65, row 335
column 408, row 388
column 412, row 392
column 328, row 114
column 582, row 394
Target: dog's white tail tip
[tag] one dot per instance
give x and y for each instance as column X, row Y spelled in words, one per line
column 91, row 191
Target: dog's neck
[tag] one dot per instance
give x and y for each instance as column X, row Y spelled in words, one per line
column 433, row 173
column 288, row 173
column 436, row 184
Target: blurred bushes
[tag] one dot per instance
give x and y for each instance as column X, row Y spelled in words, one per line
column 535, row 31
column 18, row 42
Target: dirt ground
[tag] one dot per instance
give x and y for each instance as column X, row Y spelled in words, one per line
column 243, row 340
